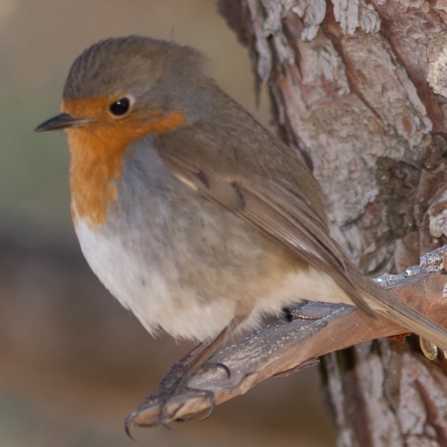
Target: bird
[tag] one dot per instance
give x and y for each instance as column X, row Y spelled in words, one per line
column 196, row 217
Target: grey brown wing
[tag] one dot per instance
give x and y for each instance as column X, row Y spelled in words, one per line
column 275, row 210
column 290, row 213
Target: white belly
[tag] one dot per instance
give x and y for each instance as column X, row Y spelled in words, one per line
column 146, row 291
column 150, row 294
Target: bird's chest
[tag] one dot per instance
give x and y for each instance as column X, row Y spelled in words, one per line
column 143, row 228
column 176, row 259
column 164, row 251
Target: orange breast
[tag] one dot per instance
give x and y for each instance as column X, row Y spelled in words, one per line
column 97, row 151
column 95, row 165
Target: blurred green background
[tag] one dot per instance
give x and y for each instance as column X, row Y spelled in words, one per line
column 73, row 362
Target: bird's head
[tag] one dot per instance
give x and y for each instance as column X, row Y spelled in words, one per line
column 125, row 88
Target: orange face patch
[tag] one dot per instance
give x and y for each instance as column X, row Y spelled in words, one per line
column 97, row 151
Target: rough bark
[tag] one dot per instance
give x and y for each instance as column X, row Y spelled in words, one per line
column 357, row 87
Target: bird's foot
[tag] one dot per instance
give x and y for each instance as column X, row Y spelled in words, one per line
column 181, row 386
column 175, row 385
column 171, row 398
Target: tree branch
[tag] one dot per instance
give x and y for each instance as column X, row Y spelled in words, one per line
column 280, row 347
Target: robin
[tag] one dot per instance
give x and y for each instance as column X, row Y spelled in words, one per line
column 190, row 212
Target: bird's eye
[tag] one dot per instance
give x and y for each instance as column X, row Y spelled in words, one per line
column 120, row 107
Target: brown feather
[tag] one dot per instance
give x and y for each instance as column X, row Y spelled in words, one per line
column 265, row 183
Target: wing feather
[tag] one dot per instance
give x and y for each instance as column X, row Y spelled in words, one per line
column 277, row 194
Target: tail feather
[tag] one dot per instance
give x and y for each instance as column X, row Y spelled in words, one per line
column 381, row 302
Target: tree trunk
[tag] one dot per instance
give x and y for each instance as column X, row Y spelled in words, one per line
column 357, row 87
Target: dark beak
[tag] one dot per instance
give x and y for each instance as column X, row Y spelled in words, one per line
column 61, row 121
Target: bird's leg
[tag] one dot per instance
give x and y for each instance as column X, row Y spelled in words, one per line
column 199, row 356
column 195, row 361
column 176, row 381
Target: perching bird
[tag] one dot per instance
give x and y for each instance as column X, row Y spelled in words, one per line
column 193, row 215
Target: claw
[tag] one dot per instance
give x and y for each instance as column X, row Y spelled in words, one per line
column 429, row 350
column 181, row 385
column 177, row 379
column 128, row 424
column 164, row 416
column 220, row 365
column 162, row 421
column 212, row 405
column 206, row 413
column 211, row 401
